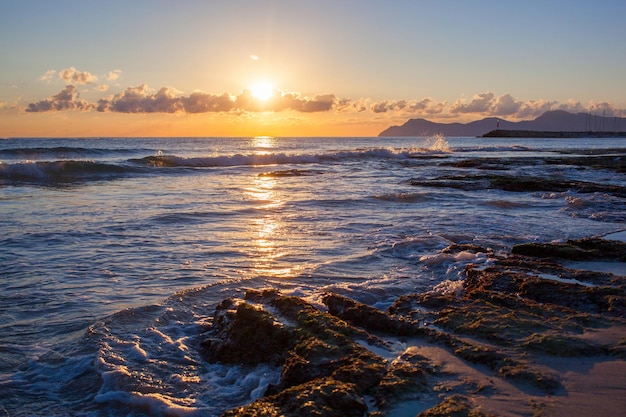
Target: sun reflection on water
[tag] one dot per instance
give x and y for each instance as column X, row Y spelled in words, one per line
column 263, row 145
column 269, row 241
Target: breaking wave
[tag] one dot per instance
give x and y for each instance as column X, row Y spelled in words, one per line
column 62, row 152
column 61, row 171
column 73, row 170
column 283, row 159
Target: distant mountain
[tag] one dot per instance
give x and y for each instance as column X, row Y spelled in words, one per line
column 552, row 121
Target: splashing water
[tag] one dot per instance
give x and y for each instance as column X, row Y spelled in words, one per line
column 438, row 143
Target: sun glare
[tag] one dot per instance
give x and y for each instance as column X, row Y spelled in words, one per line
column 262, row 91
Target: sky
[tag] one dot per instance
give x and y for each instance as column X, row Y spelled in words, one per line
column 301, row 68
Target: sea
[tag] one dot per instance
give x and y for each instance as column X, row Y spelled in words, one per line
column 114, row 252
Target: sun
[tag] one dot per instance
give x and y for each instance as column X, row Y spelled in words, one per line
column 262, row 90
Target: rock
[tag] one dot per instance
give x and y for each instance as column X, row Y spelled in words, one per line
column 516, row 183
column 325, row 397
column 246, row 335
column 367, row 317
column 453, row 406
column 578, row 250
column 507, row 313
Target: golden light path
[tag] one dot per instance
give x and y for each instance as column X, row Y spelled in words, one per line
column 269, row 237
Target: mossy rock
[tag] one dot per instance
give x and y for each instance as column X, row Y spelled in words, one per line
column 454, row 406
column 320, row 398
column 559, row 345
column 249, row 336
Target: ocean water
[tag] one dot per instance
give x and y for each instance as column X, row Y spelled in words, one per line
column 115, row 252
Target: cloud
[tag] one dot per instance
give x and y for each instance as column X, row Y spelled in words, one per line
column 293, row 101
column 142, row 99
column 355, row 106
column 505, row 105
column 426, row 106
column 67, row 99
column 48, row 76
column 605, row 108
column 114, row 75
column 71, row 75
column 480, row 103
column 199, row 102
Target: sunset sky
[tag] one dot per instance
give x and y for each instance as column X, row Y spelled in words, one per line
column 301, row 68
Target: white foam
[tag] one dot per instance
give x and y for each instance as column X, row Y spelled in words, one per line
column 449, row 287
column 564, row 280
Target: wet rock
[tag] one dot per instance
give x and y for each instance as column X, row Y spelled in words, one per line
column 243, row 334
column 612, row 160
column 615, row 162
column 515, row 308
column 453, row 406
column 579, row 250
column 407, row 375
column 537, row 282
column 324, row 397
column 517, row 183
column 367, row 317
column 561, row 345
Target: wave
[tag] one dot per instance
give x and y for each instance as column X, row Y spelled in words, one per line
column 72, row 170
column 282, row 158
column 64, row 152
column 61, row 171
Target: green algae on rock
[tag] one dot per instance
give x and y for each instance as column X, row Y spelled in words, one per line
column 346, row 362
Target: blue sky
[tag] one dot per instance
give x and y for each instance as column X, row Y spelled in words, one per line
column 350, row 66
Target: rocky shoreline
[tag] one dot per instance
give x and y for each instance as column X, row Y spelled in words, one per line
column 507, row 340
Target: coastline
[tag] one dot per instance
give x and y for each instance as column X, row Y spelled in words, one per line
column 155, row 249
column 504, row 133
column 522, row 336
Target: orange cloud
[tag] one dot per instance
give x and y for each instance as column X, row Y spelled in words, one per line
column 67, row 99
column 143, row 99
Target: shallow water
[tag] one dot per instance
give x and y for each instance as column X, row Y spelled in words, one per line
column 114, row 252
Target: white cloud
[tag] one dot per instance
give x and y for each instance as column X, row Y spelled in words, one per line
column 48, row 76
column 72, row 75
column 114, row 75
